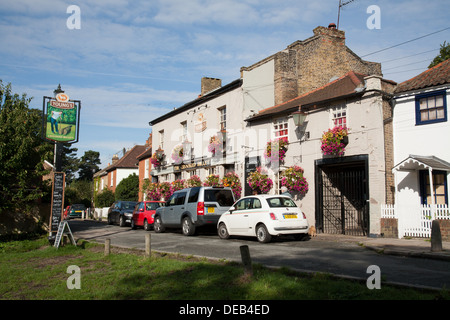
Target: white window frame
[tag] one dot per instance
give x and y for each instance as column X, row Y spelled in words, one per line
column 337, row 113
column 280, row 126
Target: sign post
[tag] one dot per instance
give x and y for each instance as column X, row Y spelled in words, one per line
column 60, row 124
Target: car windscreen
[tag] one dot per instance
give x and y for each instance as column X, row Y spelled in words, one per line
column 128, row 205
column 221, row 196
column 280, row 202
column 78, row 207
column 154, row 205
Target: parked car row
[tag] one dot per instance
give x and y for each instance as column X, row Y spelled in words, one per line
column 260, row 216
column 74, row 211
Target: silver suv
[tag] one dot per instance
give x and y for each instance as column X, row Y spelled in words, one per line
column 193, row 207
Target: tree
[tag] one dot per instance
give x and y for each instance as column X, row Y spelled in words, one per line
column 104, row 199
column 22, row 151
column 128, row 188
column 88, row 165
column 444, row 54
column 69, row 162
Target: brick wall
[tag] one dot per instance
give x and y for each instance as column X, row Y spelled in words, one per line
column 310, row 64
column 445, row 229
column 389, row 227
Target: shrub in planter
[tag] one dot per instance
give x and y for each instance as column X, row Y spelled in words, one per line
column 212, row 180
column 193, row 181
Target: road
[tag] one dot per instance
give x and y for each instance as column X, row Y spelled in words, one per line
column 343, row 257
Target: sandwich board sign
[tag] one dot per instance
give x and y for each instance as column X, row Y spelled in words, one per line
column 61, row 119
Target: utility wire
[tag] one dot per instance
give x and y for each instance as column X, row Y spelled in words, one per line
column 397, row 45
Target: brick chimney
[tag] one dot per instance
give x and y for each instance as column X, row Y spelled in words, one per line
column 209, row 84
column 115, row 158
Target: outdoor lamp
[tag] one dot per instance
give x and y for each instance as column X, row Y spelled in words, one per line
column 299, row 118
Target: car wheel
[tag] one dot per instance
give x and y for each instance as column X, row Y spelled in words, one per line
column 223, row 232
column 187, row 226
column 262, row 234
column 122, row 221
column 146, row 225
column 158, row 226
column 133, row 225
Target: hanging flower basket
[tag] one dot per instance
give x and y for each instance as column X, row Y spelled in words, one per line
column 259, row 181
column 193, row 181
column 215, row 144
column 232, row 180
column 157, row 158
column 212, row 180
column 293, row 179
column 276, row 149
column 177, row 154
column 334, row 141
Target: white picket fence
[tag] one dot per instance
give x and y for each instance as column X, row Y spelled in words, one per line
column 415, row 220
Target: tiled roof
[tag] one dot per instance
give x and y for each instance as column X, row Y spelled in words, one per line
column 129, row 160
column 146, row 154
column 339, row 88
column 439, row 74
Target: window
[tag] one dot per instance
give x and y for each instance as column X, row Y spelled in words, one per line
column 184, row 136
column 248, row 203
column 440, row 190
column 147, row 166
column 280, row 128
column 431, row 108
column 223, row 119
column 339, row 116
column 161, row 139
column 280, row 202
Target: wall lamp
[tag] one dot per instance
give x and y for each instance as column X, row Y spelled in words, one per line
column 299, row 118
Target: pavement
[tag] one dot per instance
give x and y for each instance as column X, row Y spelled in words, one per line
column 414, row 247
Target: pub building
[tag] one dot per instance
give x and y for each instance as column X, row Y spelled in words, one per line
column 202, row 137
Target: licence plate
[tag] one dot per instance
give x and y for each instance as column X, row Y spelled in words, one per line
column 210, row 209
column 290, row 216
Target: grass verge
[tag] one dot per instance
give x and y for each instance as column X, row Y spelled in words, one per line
column 33, row 270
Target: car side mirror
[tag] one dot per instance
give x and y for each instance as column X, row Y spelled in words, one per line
column 141, row 209
column 231, row 209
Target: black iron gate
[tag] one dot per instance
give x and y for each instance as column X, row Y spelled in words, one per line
column 342, row 194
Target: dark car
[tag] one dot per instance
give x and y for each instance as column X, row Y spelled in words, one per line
column 144, row 214
column 121, row 212
column 76, row 211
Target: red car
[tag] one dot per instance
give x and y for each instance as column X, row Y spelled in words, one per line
column 144, row 213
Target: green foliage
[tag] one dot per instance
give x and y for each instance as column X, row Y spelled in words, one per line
column 88, row 165
column 104, row 199
column 79, row 191
column 128, row 188
column 22, row 151
column 444, row 54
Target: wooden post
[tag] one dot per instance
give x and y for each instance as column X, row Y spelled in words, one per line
column 148, row 246
column 107, row 246
column 246, row 259
column 436, row 237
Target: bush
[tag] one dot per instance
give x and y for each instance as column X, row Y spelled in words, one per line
column 128, row 188
column 105, row 199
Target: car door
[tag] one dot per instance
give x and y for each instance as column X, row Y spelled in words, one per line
column 179, row 207
column 238, row 219
column 167, row 215
column 141, row 213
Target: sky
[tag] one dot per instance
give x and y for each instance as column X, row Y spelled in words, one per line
column 129, row 62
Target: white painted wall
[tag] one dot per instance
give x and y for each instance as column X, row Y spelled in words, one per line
column 409, row 138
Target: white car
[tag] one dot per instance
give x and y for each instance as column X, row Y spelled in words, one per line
column 263, row 216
